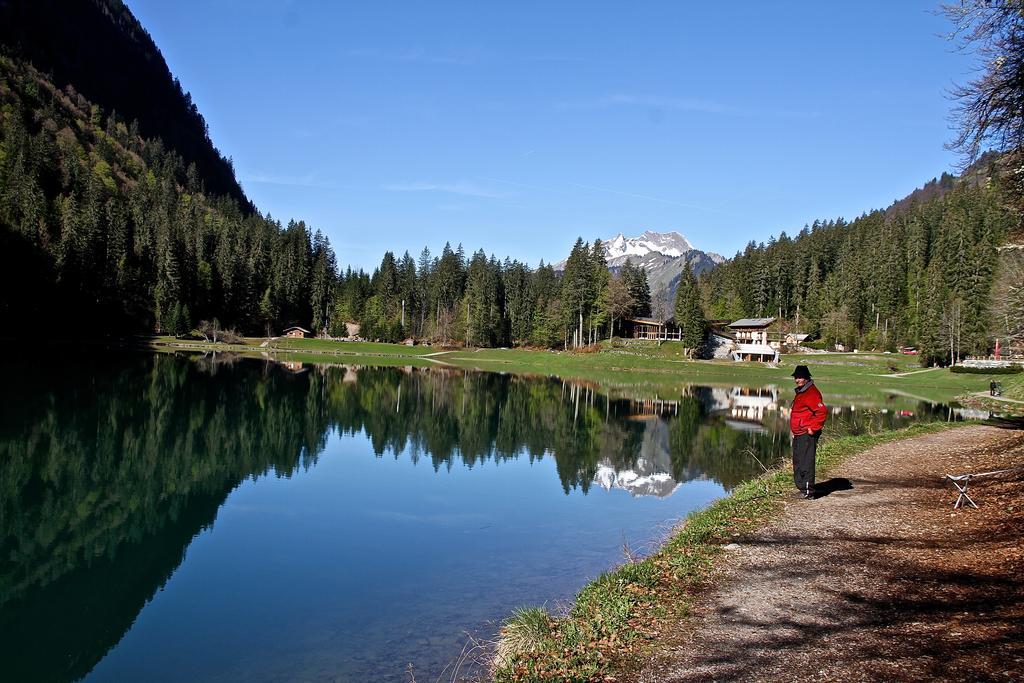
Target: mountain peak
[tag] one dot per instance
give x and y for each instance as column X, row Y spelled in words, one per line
column 662, row 255
column 668, row 243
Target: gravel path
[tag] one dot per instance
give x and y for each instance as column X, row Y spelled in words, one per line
column 877, row 580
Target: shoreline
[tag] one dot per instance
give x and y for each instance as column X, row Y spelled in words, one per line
column 615, row 620
column 662, row 367
column 657, row 362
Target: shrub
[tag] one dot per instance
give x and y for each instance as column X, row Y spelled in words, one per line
column 231, row 337
column 1008, row 370
column 589, row 348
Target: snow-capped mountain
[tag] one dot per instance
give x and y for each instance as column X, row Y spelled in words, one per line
column 667, row 243
column 663, row 255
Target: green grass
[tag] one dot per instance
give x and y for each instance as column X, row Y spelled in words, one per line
column 864, row 378
column 615, row 615
column 860, row 377
column 354, row 348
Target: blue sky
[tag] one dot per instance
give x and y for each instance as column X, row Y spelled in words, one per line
column 519, row 126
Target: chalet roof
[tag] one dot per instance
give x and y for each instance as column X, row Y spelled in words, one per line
column 652, row 321
column 752, row 323
column 300, row 329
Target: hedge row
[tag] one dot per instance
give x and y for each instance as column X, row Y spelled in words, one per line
column 1008, row 370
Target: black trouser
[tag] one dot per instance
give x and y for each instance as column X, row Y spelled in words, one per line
column 805, row 447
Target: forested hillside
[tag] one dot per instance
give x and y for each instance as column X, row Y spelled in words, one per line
column 482, row 301
column 104, row 231
column 99, row 49
column 118, row 215
column 920, row 273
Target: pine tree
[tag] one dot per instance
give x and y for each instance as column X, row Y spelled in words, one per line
column 423, row 276
column 635, row 279
column 688, row 314
column 578, row 290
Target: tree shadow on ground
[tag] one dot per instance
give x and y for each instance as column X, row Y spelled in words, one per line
column 915, row 624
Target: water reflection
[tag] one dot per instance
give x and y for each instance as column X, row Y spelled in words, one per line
column 110, row 468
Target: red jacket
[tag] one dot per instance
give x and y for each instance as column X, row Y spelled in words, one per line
column 809, row 412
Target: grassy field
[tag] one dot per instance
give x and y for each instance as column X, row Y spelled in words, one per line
column 357, row 348
column 662, row 369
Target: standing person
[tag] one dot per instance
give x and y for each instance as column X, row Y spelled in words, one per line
column 805, row 421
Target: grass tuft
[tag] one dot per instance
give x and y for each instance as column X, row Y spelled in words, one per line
column 528, row 631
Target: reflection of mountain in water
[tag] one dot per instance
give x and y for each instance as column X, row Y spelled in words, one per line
column 650, row 475
column 639, row 483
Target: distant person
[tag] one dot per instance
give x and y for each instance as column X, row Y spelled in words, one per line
column 805, row 421
column 992, row 388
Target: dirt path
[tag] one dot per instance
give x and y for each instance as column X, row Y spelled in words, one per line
column 911, row 372
column 881, row 581
column 985, row 394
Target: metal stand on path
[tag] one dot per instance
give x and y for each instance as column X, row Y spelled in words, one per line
column 962, row 481
column 966, row 479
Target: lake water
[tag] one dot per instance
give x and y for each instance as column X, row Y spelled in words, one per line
column 181, row 519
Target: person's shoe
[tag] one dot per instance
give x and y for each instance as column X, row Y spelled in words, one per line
column 809, row 492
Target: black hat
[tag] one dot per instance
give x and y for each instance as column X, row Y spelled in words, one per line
column 802, row 371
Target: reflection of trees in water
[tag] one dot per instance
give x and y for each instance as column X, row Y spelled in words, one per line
column 60, row 631
column 92, row 457
column 470, row 417
column 108, row 470
column 456, row 416
column 703, row 444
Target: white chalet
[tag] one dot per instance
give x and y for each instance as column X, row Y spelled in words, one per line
column 752, row 340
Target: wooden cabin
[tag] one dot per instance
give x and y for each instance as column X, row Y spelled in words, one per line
column 796, row 338
column 297, row 332
column 652, row 329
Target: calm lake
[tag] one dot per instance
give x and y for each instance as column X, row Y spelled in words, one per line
column 173, row 518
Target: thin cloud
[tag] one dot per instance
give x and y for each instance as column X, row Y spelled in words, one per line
column 608, row 190
column 653, row 101
column 414, row 56
column 686, row 104
column 649, row 198
column 462, row 187
column 308, row 180
column 518, row 184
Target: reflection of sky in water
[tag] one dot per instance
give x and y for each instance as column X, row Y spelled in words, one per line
column 363, row 564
